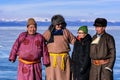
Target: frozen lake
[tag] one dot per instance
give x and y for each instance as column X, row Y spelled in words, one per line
column 8, row 71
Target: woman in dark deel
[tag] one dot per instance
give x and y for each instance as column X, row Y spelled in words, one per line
column 80, row 56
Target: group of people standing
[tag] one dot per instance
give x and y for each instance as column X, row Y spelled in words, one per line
column 92, row 58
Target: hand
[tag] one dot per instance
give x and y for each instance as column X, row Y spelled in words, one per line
column 46, row 65
column 12, row 61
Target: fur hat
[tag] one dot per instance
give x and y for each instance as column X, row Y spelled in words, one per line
column 101, row 22
column 58, row 19
column 31, row 21
column 84, row 29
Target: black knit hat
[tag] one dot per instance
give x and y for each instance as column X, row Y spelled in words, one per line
column 101, row 22
column 58, row 19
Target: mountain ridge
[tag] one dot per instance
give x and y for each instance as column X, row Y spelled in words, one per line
column 47, row 23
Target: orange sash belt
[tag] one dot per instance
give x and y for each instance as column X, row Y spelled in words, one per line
column 100, row 62
column 28, row 62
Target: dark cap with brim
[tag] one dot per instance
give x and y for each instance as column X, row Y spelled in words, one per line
column 101, row 22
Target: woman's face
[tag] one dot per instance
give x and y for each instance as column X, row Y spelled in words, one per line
column 81, row 34
column 31, row 29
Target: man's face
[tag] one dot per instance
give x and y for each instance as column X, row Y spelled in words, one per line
column 99, row 29
column 31, row 29
column 58, row 27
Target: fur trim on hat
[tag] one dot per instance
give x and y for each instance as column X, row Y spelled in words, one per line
column 57, row 19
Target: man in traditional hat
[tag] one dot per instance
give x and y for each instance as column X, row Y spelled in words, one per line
column 58, row 39
column 102, row 52
column 30, row 47
column 80, row 57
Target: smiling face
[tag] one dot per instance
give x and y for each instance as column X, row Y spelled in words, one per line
column 99, row 30
column 31, row 29
column 81, row 34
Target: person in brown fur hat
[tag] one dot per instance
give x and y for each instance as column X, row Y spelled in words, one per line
column 30, row 47
column 58, row 39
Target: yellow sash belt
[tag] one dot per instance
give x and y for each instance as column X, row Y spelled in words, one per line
column 28, row 62
column 55, row 59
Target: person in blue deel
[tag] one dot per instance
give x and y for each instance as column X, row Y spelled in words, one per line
column 80, row 57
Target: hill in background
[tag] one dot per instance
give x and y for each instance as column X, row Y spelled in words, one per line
column 47, row 23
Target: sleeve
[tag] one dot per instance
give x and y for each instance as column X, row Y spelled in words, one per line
column 112, row 52
column 14, row 50
column 87, row 60
column 15, row 47
column 46, row 35
column 71, row 37
column 75, row 54
column 46, row 58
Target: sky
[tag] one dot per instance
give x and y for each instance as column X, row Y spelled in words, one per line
column 72, row 10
